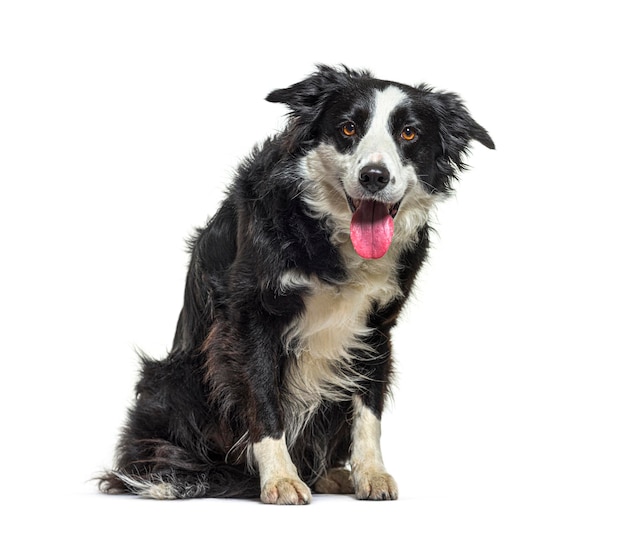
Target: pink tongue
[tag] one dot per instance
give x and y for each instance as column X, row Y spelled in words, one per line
column 371, row 229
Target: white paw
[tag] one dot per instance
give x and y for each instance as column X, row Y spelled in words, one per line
column 375, row 486
column 285, row 491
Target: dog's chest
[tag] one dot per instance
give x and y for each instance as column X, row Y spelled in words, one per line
column 330, row 334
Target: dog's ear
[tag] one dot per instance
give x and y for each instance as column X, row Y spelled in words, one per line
column 456, row 124
column 456, row 130
column 307, row 98
column 304, row 96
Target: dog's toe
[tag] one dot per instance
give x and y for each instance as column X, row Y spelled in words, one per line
column 375, row 486
column 286, row 491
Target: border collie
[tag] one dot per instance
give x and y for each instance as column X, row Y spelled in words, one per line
column 281, row 361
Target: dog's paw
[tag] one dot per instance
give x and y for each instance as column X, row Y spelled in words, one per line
column 375, row 486
column 336, row 481
column 285, row 491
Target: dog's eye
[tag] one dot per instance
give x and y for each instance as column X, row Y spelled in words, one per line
column 348, row 129
column 408, row 134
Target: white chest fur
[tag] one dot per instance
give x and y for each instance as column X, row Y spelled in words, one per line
column 326, row 339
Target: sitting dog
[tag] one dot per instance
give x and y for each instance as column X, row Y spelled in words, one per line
column 281, row 361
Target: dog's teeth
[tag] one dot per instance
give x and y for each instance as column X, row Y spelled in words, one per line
column 393, row 210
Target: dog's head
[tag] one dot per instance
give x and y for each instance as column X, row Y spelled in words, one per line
column 377, row 151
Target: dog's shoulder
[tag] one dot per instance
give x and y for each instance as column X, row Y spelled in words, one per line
column 275, row 224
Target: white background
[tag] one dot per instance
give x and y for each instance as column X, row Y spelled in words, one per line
column 120, row 124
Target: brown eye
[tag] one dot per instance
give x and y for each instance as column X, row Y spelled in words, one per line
column 348, row 129
column 408, row 134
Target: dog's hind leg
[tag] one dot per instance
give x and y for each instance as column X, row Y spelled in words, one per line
column 335, row 481
column 166, row 450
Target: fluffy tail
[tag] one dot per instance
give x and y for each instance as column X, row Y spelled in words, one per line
column 220, row 482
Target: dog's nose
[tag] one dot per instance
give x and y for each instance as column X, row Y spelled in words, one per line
column 374, row 177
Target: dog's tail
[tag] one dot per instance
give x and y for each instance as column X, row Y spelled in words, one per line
column 222, row 481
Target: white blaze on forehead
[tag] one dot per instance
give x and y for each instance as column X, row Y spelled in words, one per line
column 387, row 101
column 378, row 145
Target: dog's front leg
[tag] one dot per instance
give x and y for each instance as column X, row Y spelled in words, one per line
column 370, row 478
column 280, row 483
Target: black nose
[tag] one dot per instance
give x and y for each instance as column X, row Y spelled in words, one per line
column 374, row 177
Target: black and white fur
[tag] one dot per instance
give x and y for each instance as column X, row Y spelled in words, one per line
column 281, row 361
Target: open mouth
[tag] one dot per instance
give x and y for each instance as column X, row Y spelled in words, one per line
column 371, row 228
